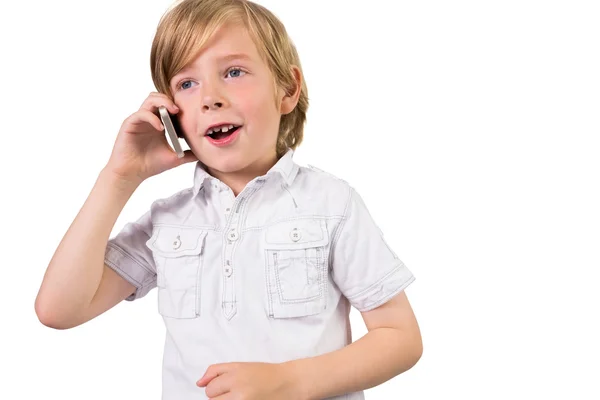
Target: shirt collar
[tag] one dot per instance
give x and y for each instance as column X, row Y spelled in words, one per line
column 285, row 166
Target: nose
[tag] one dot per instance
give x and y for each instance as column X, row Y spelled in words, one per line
column 212, row 98
column 209, row 103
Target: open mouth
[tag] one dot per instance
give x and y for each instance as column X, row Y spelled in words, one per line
column 222, row 133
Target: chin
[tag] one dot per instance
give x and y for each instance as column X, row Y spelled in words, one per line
column 227, row 165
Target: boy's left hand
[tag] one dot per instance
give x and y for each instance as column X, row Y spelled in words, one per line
column 251, row 381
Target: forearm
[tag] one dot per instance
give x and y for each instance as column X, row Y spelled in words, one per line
column 373, row 359
column 75, row 270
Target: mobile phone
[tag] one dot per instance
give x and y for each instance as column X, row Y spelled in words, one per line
column 171, row 132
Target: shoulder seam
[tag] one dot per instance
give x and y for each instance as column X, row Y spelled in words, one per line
column 340, row 226
column 315, row 169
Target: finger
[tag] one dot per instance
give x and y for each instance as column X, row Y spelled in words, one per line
column 164, row 97
column 213, row 371
column 145, row 116
column 218, row 386
column 207, row 378
column 155, row 100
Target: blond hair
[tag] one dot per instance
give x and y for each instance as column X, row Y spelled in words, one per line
column 188, row 25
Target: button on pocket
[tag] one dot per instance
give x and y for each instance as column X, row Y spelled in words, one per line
column 177, row 251
column 296, row 257
column 177, row 243
column 295, row 235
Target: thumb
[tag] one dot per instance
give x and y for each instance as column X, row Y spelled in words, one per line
column 211, row 373
column 205, row 380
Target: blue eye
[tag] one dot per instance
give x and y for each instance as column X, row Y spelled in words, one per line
column 235, row 69
column 183, row 83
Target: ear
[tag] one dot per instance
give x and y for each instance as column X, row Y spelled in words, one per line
column 289, row 101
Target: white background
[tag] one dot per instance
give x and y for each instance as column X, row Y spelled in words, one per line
column 469, row 127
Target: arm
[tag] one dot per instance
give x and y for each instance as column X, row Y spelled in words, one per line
column 367, row 273
column 77, row 268
column 392, row 346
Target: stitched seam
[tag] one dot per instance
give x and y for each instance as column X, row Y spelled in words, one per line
column 224, row 279
column 223, row 259
column 323, row 272
column 268, row 277
column 130, row 257
column 285, row 187
column 323, row 229
column 121, row 272
column 233, row 302
column 177, row 253
column 313, row 216
column 392, row 294
column 240, row 210
column 306, row 263
column 338, row 229
column 397, row 268
column 244, row 214
column 282, row 300
column 198, row 299
column 232, row 277
column 192, row 209
column 203, row 227
column 298, row 246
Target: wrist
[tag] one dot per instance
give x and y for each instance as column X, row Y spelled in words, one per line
column 298, row 384
column 119, row 182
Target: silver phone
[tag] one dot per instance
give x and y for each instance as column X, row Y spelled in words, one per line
column 171, row 133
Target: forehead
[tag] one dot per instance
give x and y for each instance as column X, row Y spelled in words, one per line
column 231, row 42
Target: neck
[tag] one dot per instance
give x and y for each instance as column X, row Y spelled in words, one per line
column 238, row 180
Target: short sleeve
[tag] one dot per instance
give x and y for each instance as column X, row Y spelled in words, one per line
column 128, row 255
column 364, row 267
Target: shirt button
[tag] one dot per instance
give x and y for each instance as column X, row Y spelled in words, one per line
column 295, row 234
column 228, row 271
column 233, row 235
column 177, row 243
column 227, row 210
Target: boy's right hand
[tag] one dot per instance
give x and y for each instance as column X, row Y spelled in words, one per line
column 141, row 149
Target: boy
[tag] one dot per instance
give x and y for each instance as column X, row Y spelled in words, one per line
column 257, row 264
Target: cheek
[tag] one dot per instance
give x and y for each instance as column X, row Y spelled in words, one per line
column 184, row 125
column 256, row 101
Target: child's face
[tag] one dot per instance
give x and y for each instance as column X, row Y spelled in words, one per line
column 211, row 91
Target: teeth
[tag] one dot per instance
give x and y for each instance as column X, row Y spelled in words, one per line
column 223, row 128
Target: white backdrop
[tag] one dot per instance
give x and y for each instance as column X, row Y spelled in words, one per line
column 470, row 128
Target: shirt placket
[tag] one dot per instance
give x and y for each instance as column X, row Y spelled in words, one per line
column 227, row 201
column 232, row 236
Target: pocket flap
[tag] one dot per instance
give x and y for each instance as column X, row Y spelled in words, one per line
column 296, row 234
column 176, row 241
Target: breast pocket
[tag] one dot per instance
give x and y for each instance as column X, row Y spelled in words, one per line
column 296, row 254
column 177, row 251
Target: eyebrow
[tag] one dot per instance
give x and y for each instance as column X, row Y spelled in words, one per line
column 229, row 57
column 235, row 56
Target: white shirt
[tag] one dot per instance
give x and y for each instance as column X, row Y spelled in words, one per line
column 267, row 276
